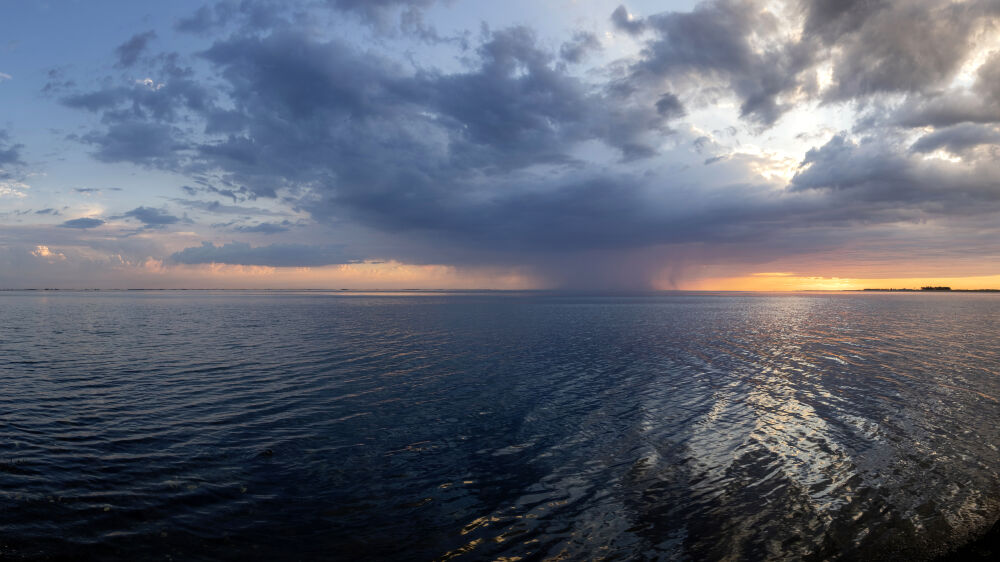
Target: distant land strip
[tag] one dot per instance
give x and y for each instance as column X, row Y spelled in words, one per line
column 936, row 289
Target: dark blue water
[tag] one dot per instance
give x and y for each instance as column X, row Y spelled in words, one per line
column 198, row 425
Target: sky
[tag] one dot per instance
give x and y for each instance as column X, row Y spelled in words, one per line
column 389, row 144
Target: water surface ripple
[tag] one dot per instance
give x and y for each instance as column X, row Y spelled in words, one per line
column 204, row 425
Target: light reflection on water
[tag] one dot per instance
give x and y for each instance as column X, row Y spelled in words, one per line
column 427, row 426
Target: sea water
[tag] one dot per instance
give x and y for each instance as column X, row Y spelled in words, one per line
column 419, row 426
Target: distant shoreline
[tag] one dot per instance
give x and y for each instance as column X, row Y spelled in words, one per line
column 934, row 290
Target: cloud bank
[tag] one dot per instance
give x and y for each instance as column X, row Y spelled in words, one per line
column 558, row 155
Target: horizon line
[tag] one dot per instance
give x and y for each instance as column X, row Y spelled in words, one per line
column 474, row 290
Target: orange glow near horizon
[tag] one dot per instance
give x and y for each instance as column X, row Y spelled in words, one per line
column 792, row 282
column 394, row 275
column 369, row 275
column 391, row 275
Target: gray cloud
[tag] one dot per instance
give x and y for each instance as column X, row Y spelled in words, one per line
column 714, row 44
column 82, row 223
column 625, row 22
column 248, row 15
column 275, row 255
column 941, row 109
column 945, row 110
column 141, row 119
column 669, row 105
column 141, row 142
column 577, row 48
column 515, row 110
column 166, row 101
column 829, row 20
column 236, row 193
column 958, row 138
column 392, row 17
column 206, row 18
column 880, row 54
column 988, row 78
column 10, row 154
column 384, row 16
column 92, row 190
column 379, row 12
column 483, row 165
column 128, row 52
column 264, row 228
column 869, row 43
column 878, row 181
column 216, row 207
column 152, row 217
column 142, row 113
column 373, row 9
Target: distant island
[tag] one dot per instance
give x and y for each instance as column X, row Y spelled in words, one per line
column 935, row 289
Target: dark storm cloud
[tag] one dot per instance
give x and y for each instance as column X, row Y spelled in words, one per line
column 301, row 115
column 831, row 19
column 358, row 127
column 128, row 52
column 946, row 110
column 152, row 217
column 276, row 255
column 82, row 223
column 841, row 164
column 604, row 212
column 369, row 139
column 484, row 165
column 517, row 109
column 880, row 182
column 958, row 138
